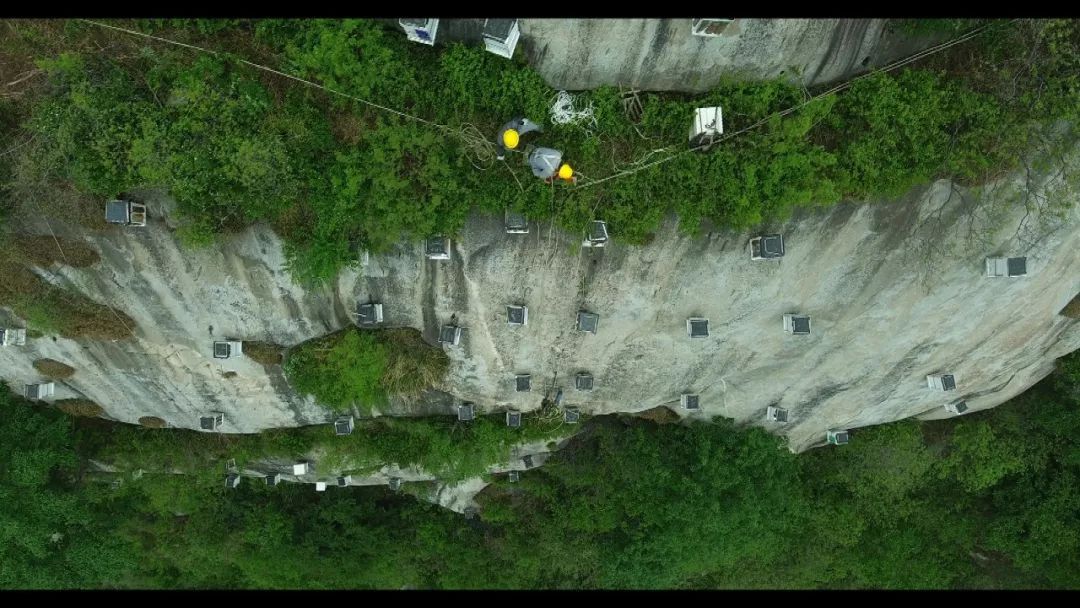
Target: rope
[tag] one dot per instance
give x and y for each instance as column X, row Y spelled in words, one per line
column 479, row 150
column 896, row 64
column 17, row 146
column 563, row 112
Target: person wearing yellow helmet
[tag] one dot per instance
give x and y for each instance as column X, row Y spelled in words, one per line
column 546, row 163
column 510, row 139
column 511, row 133
column 567, row 173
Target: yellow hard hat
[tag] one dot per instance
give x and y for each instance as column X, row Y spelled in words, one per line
column 510, row 138
column 565, row 171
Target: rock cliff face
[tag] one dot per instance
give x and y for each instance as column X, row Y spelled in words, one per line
column 896, row 290
column 663, row 54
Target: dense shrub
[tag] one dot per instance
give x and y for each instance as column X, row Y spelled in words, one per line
column 334, row 176
column 362, row 368
column 986, row 500
column 341, row 370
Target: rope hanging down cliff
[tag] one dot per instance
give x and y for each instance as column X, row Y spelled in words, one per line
column 477, row 147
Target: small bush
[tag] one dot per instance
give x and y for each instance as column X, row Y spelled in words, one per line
column 412, row 365
column 152, row 422
column 1072, row 309
column 80, row 407
column 54, row 369
column 263, row 352
column 659, row 415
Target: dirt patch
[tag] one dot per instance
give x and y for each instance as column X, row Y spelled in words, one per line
column 1072, row 309
column 229, row 375
column 43, row 251
column 659, row 415
column 346, row 127
column 80, row 407
column 266, row 353
column 152, row 422
column 294, row 224
column 54, row 369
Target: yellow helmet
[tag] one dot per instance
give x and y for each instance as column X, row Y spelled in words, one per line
column 510, row 138
column 565, row 171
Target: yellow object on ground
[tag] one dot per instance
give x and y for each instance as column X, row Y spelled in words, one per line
column 565, row 171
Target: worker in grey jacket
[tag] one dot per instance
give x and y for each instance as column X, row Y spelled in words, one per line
column 546, row 163
column 510, row 135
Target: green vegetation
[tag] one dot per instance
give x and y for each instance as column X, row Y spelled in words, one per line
column 936, row 26
column 54, row 532
column 950, row 130
column 440, row 446
column 10, row 119
column 341, row 370
column 986, row 500
column 235, row 145
column 361, row 368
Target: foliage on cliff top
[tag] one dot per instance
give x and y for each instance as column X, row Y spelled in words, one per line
column 236, row 146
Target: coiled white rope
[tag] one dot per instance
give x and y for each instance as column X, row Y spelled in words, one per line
column 563, row 112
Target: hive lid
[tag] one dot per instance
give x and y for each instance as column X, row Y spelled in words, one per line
column 499, row 28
